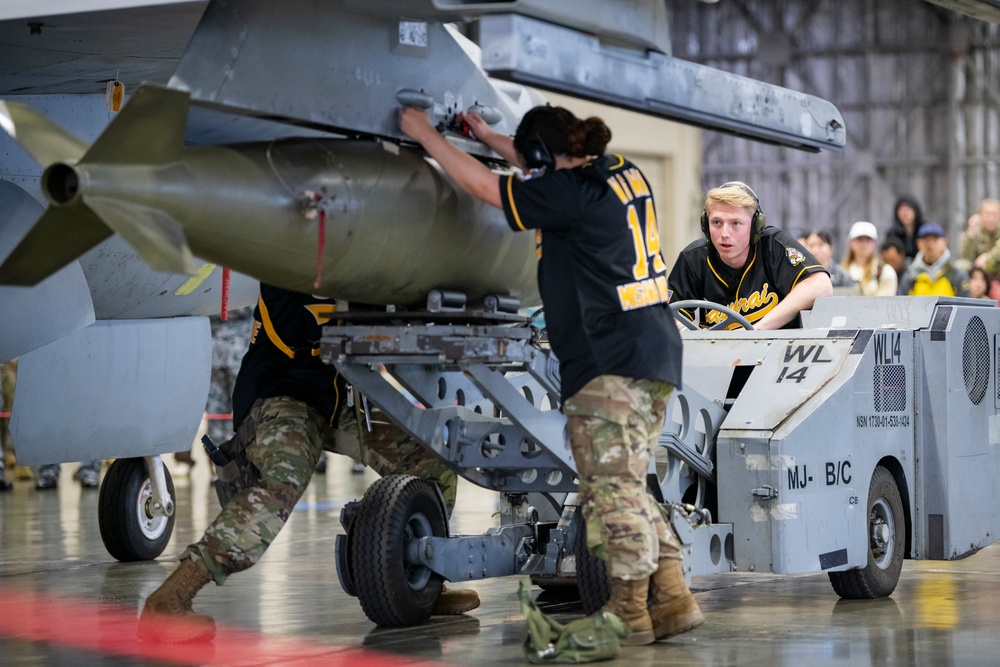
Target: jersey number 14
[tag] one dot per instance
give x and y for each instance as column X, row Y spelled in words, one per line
column 645, row 248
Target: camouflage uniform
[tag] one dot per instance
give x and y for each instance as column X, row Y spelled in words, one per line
column 981, row 241
column 613, row 425
column 229, row 342
column 284, row 438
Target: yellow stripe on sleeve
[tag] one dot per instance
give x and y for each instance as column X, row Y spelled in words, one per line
column 804, row 269
column 272, row 335
column 513, row 207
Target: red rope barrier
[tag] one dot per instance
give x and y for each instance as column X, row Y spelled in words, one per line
column 224, row 315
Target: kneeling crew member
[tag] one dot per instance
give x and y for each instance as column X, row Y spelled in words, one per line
column 290, row 407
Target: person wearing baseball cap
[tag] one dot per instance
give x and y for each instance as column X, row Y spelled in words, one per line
column 932, row 273
column 873, row 276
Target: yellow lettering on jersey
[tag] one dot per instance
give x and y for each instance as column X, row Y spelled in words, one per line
column 613, row 182
column 661, row 286
column 653, row 238
column 254, row 330
column 323, row 312
column 640, row 269
column 624, row 186
column 538, row 243
column 642, row 293
column 637, row 182
column 754, row 306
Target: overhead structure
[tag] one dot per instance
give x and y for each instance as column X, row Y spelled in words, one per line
column 917, row 86
column 335, row 76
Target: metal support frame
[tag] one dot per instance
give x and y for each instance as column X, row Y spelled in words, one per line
column 484, row 398
column 160, row 502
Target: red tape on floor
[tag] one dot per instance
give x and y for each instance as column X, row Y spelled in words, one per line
column 105, row 628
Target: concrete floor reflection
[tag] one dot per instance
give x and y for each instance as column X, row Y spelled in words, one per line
column 290, row 607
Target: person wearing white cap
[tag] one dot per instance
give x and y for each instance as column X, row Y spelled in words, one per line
column 874, row 277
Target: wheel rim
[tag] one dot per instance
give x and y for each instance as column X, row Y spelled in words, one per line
column 152, row 527
column 882, row 525
column 417, row 526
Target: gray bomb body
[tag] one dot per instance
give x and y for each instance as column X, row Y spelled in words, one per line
column 395, row 227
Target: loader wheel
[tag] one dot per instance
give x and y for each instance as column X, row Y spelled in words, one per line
column 396, row 511
column 592, row 578
column 129, row 531
column 886, row 537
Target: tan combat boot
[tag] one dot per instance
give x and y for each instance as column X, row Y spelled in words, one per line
column 673, row 610
column 454, row 602
column 628, row 601
column 168, row 616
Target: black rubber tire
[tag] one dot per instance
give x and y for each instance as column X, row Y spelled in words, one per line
column 128, row 532
column 885, row 562
column 591, row 572
column 395, row 510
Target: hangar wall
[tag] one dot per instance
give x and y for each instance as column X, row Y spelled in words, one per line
column 917, row 85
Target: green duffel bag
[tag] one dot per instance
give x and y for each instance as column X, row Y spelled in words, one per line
column 589, row 639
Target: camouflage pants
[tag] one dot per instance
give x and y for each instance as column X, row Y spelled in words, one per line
column 613, row 425
column 284, row 445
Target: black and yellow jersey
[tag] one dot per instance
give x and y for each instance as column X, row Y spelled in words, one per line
column 283, row 356
column 775, row 265
column 601, row 275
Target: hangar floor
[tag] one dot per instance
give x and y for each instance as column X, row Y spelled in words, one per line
column 65, row 601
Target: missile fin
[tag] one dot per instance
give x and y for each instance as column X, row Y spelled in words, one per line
column 148, row 130
column 43, row 139
column 156, row 236
column 60, row 236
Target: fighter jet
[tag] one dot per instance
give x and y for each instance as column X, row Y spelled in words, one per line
column 265, row 140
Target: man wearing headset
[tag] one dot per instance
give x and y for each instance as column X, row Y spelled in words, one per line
column 760, row 272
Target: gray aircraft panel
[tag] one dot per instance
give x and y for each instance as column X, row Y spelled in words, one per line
column 537, row 53
column 346, row 71
column 115, row 389
column 34, row 316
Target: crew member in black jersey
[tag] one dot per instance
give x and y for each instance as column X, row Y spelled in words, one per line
column 761, row 272
column 603, row 284
column 289, row 407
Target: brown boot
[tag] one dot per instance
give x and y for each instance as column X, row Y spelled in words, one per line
column 628, row 601
column 168, row 616
column 455, row 602
column 673, row 610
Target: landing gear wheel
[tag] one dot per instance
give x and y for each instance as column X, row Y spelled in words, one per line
column 396, row 511
column 592, row 578
column 731, row 315
column 886, row 537
column 129, row 530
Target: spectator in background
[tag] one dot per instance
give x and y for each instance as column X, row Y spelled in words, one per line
column 932, row 273
column 820, row 244
column 907, row 219
column 873, row 277
column 979, row 284
column 893, row 254
column 978, row 240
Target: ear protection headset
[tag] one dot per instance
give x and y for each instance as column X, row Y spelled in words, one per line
column 757, row 221
column 534, row 151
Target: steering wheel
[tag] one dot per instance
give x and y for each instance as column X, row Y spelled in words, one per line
column 730, row 314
